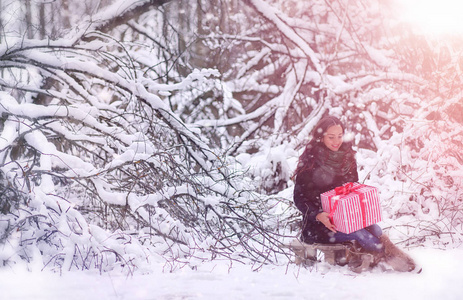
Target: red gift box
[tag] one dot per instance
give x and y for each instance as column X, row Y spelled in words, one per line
column 352, row 206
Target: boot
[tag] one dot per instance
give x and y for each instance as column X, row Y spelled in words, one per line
column 396, row 258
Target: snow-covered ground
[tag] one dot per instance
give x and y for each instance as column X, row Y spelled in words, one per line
column 441, row 278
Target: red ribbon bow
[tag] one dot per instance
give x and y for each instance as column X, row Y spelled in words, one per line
column 345, row 189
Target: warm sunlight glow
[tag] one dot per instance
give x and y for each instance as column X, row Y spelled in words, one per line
column 434, row 16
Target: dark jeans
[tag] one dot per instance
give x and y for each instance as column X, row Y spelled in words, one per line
column 368, row 238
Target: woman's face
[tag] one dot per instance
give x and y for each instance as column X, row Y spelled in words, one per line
column 333, row 137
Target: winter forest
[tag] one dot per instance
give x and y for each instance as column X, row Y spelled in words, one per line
column 138, row 135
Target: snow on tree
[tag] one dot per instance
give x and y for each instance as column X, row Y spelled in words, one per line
column 104, row 172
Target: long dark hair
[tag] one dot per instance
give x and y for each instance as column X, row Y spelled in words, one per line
column 316, row 139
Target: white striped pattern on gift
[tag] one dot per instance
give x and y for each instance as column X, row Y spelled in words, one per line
column 356, row 210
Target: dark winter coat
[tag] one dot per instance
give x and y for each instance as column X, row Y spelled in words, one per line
column 322, row 171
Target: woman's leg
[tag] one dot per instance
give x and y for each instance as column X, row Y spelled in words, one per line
column 366, row 237
column 375, row 230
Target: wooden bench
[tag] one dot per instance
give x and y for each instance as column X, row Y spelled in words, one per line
column 334, row 254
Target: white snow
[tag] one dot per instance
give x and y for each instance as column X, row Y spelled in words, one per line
column 440, row 279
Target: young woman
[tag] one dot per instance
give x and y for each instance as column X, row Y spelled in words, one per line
column 326, row 163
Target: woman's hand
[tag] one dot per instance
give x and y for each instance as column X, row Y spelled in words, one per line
column 324, row 217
